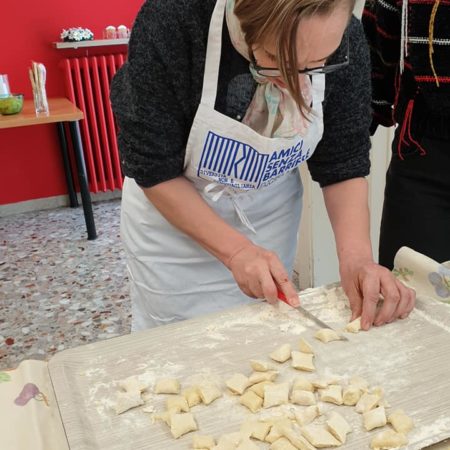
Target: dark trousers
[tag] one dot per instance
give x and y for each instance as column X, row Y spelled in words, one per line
column 416, row 210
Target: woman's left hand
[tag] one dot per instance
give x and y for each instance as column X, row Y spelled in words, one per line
column 364, row 282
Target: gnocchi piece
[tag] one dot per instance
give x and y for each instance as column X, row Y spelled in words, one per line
column 388, row 439
column 303, row 361
column 297, row 440
column 228, row 441
column 307, row 416
column 252, row 401
column 275, row 432
column 181, row 424
column 304, row 398
column 282, row 444
column 303, row 384
column 282, row 353
column 192, row 396
column 332, row 394
column 258, row 377
column 167, row 386
column 319, row 436
column 258, row 388
column 327, row 335
column 209, row 392
column 400, row 421
column 260, row 366
column 165, row 416
column 374, row 418
column 256, row 430
column 354, row 326
column 351, row 395
column 133, row 384
column 247, row 444
column 338, row 427
column 367, row 402
column 276, row 394
column 203, row 442
column 359, row 382
column 322, row 383
column 237, row 383
column 127, row 400
column 177, row 404
column 305, row 347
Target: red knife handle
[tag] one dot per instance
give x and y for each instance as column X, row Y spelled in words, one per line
column 282, row 297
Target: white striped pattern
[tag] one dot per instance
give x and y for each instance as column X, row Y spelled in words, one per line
column 387, row 6
column 381, row 102
column 422, row 40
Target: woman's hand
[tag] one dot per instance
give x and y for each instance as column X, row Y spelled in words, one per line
column 364, row 282
column 260, row 273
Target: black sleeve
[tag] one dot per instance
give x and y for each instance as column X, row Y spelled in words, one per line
column 155, row 93
column 343, row 152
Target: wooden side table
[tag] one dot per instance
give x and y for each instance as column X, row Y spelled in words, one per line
column 62, row 111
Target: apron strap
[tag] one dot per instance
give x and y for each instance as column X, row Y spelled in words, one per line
column 213, row 53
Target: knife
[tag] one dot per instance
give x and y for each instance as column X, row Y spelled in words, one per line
column 308, row 315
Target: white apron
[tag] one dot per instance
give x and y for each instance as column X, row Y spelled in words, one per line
column 251, row 181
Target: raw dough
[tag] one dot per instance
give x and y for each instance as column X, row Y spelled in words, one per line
column 400, row 421
column 319, row 437
column 357, row 381
column 275, row 432
column 307, row 416
column 133, row 384
column 282, row 444
column 258, row 388
column 303, row 361
column 247, row 444
column 303, row 384
column 367, row 402
column 192, row 396
column 388, row 439
column 276, row 394
column 351, row 395
column 258, row 377
column 237, row 383
column 332, row 394
column 252, row 401
column 165, row 416
column 209, row 392
column 305, row 347
column 304, row 398
column 181, row 424
column 202, row 442
column 297, row 440
column 260, row 366
column 281, row 354
column 128, row 400
column 256, row 430
column 327, row 335
column 375, row 418
column 228, row 441
column 354, row 326
column 177, row 404
column 338, row 427
column 167, row 386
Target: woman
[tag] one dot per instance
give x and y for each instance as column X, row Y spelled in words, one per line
column 411, row 88
column 210, row 149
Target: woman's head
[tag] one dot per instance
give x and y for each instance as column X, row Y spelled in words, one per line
column 293, row 33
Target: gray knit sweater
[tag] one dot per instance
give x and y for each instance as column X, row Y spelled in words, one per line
column 156, row 93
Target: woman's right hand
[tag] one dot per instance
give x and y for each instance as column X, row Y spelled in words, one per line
column 260, row 274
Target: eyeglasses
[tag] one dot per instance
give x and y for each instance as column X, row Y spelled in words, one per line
column 273, row 72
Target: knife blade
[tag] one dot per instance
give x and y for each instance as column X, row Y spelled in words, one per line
column 308, row 315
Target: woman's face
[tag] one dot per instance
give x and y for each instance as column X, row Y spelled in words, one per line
column 318, row 37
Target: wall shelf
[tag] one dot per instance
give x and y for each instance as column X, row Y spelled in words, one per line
column 93, row 43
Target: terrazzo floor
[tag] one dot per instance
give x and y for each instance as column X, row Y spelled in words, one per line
column 57, row 289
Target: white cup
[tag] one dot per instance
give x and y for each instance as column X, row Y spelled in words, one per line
column 4, row 86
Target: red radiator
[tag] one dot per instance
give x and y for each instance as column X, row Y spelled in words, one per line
column 88, row 81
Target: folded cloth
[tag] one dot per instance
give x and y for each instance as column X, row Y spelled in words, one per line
column 426, row 276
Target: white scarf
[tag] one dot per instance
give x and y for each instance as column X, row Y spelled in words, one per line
column 272, row 112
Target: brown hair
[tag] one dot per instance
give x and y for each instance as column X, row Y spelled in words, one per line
column 280, row 19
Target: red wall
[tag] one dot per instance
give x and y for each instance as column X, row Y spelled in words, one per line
column 30, row 160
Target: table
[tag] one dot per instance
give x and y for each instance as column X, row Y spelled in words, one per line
column 62, row 111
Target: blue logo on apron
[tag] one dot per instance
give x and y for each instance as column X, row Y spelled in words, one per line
column 236, row 164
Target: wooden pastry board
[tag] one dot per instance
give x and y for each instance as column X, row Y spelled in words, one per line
column 410, row 359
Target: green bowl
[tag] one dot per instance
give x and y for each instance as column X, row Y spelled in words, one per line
column 12, row 104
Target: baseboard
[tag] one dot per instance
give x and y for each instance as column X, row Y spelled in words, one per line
column 58, row 201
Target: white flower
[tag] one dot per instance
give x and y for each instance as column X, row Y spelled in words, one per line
column 77, row 34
